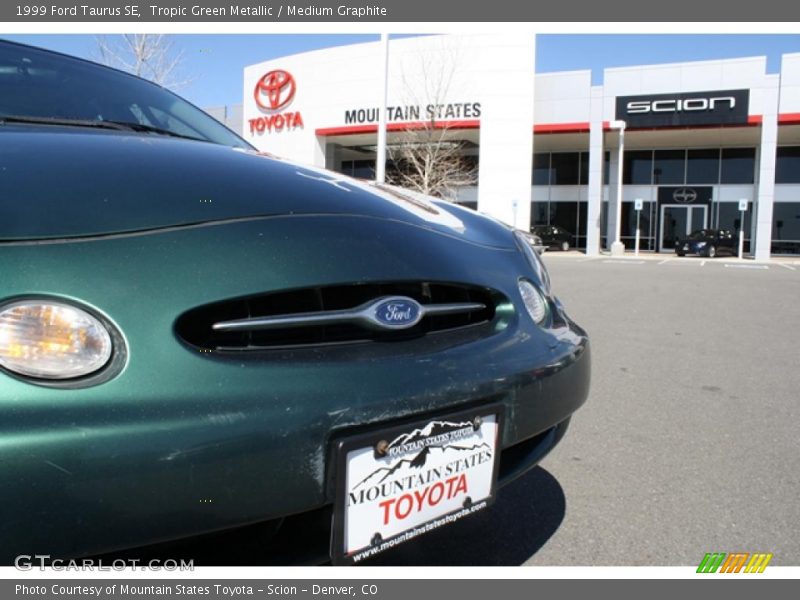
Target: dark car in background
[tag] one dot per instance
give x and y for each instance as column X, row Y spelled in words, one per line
column 708, row 243
column 554, row 237
column 196, row 337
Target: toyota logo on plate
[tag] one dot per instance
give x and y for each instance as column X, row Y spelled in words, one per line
column 276, row 88
column 684, row 195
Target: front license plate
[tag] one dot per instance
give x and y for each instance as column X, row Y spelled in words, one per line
column 396, row 484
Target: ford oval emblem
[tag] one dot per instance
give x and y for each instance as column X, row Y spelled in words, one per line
column 397, row 313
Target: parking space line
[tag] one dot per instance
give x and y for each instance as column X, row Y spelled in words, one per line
column 746, row 266
column 623, row 261
column 588, row 259
column 693, row 263
column 666, row 260
column 787, row 267
column 702, row 263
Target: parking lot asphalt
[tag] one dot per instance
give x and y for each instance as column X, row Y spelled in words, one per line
column 688, row 443
column 689, row 440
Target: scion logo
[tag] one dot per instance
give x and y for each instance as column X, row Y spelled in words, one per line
column 679, row 105
column 277, row 88
column 684, row 195
column 274, row 91
column 718, row 107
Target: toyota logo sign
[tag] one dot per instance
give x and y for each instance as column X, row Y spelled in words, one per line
column 277, row 88
column 684, row 195
column 273, row 92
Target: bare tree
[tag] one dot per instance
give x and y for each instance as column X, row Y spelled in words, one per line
column 151, row 56
column 427, row 155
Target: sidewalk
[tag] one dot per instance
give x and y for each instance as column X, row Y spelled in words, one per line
column 667, row 256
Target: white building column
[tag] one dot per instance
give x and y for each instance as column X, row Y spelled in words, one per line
column 506, row 134
column 611, row 218
column 766, row 167
column 595, row 193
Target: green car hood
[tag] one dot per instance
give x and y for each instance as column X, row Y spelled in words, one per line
column 66, row 182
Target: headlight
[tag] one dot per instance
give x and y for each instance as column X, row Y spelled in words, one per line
column 534, row 301
column 526, row 243
column 700, row 244
column 47, row 339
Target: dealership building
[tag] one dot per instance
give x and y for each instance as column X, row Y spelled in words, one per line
column 701, row 140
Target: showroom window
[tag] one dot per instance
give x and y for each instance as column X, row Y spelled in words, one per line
column 738, row 165
column 363, row 169
column 729, row 217
column 669, row 167
column 702, row 166
column 541, row 169
column 786, row 228
column 787, row 165
column 638, row 167
column 647, row 226
column 564, row 168
column 567, row 169
column 584, row 175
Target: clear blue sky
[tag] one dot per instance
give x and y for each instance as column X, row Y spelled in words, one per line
column 215, row 62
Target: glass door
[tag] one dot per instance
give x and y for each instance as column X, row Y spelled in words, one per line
column 678, row 221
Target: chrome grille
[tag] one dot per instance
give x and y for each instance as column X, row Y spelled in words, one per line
column 331, row 315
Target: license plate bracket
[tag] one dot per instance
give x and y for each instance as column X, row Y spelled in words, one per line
column 398, row 482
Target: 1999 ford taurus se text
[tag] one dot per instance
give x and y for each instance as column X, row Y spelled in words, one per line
column 194, row 336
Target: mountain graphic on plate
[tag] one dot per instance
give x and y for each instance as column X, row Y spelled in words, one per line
column 431, row 429
column 378, row 476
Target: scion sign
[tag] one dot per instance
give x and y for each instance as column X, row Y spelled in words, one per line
column 724, row 107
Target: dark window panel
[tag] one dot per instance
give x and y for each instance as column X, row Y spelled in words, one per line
column 564, row 215
column 785, row 224
column 730, row 217
column 564, row 168
column 668, row 167
column 738, row 165
column 364, row 169
column 787, row 165
column 628, row 225
column 541, row 169
column 637, row 167
column 579, row 238
column 702, row 166
column 539, row 213
column 583, row 179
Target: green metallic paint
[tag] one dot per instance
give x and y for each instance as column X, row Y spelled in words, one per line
column 130, row 461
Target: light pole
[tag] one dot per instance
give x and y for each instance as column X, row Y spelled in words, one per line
column 638, row 203
column 617, row 247
column 380, row 159
column 742, row 210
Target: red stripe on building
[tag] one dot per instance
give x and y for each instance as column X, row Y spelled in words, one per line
column 542, row 128
column 561, row 128
column 405, row 126
column 789, row 119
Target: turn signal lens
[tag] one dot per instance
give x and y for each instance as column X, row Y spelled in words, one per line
column 51, row 340
column 533, row 300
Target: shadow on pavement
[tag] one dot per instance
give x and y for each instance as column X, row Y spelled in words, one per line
column 525, row 515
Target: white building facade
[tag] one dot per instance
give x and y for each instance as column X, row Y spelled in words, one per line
column 699, row 137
